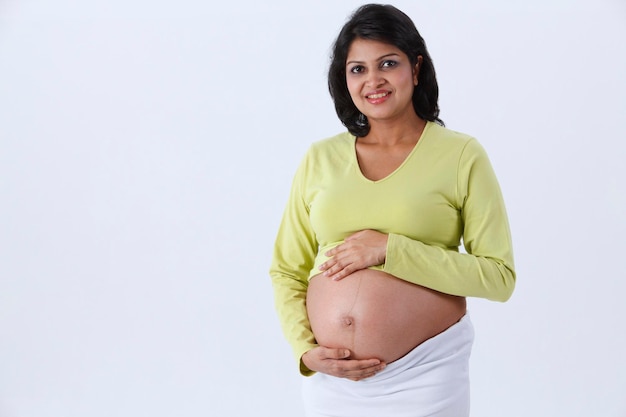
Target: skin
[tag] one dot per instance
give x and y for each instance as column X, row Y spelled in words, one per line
column 381, row 80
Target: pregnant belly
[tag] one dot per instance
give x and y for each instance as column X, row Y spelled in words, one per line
column 376, row 315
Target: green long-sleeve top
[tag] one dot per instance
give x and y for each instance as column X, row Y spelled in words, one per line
column 444, row 193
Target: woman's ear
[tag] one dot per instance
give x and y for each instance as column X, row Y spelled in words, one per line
column 416, row 70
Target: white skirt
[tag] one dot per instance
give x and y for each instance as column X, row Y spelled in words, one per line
column 431, row 380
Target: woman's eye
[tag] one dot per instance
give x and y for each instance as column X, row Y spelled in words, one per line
column 357, row 69
column 388, row 63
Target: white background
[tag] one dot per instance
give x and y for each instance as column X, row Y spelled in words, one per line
column 146, row 151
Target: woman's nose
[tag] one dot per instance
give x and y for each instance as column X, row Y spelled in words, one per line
column 375, row 79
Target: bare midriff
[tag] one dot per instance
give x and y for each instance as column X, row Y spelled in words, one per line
column 377, row 315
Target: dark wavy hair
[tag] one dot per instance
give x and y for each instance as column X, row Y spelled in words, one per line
column 383, row 23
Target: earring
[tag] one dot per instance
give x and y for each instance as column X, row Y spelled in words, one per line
column 361, row 121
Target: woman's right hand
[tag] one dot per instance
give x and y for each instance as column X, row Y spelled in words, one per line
column 337, row 362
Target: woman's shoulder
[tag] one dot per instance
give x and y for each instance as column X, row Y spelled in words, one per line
column 338, row 144
column 464, row 148
column 327, row 153
column 448, row 137
column 339, row 140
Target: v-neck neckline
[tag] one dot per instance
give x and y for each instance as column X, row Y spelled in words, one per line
column 398, row 168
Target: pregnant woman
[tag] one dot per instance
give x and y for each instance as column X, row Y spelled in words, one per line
column 368, row 279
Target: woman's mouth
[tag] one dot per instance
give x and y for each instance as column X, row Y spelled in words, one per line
column 377, row 95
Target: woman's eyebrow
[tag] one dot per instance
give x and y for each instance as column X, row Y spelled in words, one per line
column 377, row 59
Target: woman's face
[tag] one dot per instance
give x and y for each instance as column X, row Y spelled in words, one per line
column 380, row 79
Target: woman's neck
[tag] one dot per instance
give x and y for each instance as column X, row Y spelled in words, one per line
column 395, row 132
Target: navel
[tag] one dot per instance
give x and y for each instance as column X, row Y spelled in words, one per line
column 346, row 321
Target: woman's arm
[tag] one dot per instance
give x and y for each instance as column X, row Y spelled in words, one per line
column 294, row 255
column 485, row 271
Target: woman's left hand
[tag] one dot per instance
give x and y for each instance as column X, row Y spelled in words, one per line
column 359, row 251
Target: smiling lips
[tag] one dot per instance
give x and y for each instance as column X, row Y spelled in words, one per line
column 378, row 96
